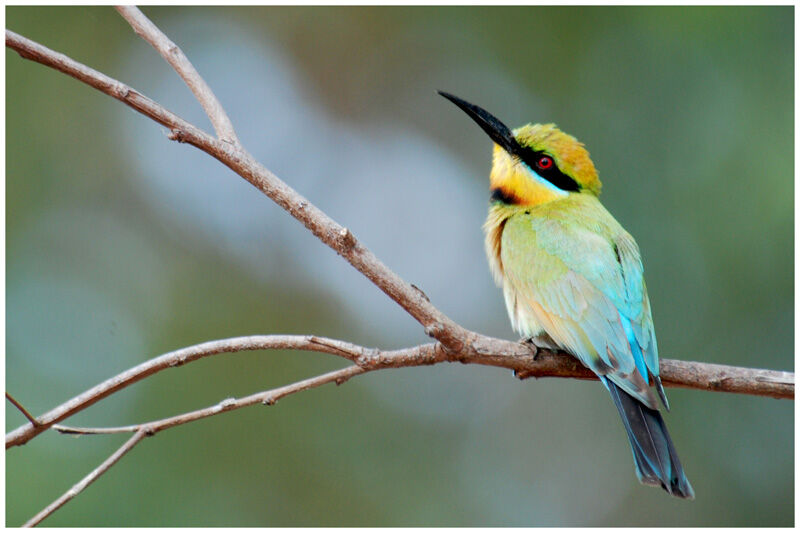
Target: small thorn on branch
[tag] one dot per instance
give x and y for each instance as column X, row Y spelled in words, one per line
column 432, row 330
column 347, row 239
column 338, row 346
column 524, row 374
column 227, row 403
column 421, row 292
column 178, row 362
column 177, row 135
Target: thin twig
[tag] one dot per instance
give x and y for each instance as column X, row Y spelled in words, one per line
column 75, row 430
column 148, row 31
column 269, row 397
column 25, row 413
column 88, row 480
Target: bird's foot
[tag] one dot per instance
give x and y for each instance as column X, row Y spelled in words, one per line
column 530, row 342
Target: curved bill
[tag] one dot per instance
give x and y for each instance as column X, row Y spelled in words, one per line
column 496, row 130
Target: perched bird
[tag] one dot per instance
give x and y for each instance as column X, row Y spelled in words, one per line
column 572, row 278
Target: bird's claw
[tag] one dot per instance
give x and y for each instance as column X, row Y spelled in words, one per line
column 532, row 346
column 534, row 349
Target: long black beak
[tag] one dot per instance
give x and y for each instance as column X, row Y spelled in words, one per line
column 496, row 130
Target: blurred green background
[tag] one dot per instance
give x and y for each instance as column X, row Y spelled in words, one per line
column 122, row 245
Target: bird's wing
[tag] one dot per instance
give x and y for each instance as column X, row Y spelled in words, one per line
column 635, row 304
column 587, row 292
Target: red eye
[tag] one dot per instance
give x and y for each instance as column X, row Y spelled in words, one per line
column 545, row 162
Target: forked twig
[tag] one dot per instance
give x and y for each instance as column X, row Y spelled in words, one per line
column 22, row 410
column 148, row 31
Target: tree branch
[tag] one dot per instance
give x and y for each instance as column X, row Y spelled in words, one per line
column 492, row 352
column 148, row 31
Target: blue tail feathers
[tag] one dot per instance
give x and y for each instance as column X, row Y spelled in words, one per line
column 656, row 460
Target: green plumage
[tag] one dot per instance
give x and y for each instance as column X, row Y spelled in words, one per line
column 574, row 260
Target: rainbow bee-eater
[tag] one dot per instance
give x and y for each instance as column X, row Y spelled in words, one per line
column 572, row 278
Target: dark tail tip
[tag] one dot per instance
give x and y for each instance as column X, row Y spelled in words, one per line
column 654, row 453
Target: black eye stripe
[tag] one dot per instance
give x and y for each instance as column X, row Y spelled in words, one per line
column 553, row 174
column 504, row 138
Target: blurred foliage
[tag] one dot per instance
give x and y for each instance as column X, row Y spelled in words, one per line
column 121, row 245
